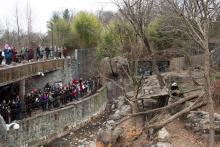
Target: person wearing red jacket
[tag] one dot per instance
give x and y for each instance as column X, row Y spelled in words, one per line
column 74, row 93
column 65, row 52
column 14, row 51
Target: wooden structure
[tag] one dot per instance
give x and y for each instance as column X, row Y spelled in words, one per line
column 180, row 63
column 22, row 71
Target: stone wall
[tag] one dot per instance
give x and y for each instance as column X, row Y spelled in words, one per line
column 56, row 123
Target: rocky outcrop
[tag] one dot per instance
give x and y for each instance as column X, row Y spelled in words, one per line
column 198, row 121
column 117, row 65
column 3, row 130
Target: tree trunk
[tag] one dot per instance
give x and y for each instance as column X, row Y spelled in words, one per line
column 191, row 76
column 138, row 121
column 209, row 95
column 135, row 106
column 110, row 63
column 153, row 62
column 157, row 72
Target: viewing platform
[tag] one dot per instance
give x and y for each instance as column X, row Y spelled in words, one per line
column 14, row 73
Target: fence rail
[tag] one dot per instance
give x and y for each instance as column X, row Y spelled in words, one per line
column 179, row 64
column 18, row 72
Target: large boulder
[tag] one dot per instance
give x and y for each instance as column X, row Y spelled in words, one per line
column 104, row 136
column 117, row 65
column 3, row 131
column 3, row 128
column 124, row 110
column 120, row 102
column 163, row 135
column 116, row 115
column 109, row 137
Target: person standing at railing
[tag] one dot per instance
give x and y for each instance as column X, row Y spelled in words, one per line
column 8, row 54
column 41, row 52
column 18, row 112
column 13, row 110
column 29, row 103
column 30, row 54
column 47, row 50
column 23, row 52
column 51, row 52
column 15, row 59
column 59, row 53
column 4, row 110
column 50, row 101
column 65, row 52
column 38, row 55
column 26, row 54
column 1, row 56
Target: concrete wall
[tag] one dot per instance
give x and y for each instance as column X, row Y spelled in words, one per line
column 39, row 82
column 58, row 122
column 82, row 64
column 19, row 72
column 86, row 63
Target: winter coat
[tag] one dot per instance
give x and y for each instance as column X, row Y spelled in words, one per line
column 8, row 53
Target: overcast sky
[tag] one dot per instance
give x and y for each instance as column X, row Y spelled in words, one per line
column 42, row 10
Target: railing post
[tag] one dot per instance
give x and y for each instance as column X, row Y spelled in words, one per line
column 22, row 88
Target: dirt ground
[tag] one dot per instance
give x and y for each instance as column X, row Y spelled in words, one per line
column 180, row 137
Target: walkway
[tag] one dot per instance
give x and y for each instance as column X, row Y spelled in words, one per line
column 14, row 73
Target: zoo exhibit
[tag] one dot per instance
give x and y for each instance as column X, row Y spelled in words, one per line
column 110, row 73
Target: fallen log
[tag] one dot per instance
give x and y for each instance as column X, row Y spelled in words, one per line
column 188, row 98
column 168, row 106
column 195, row 105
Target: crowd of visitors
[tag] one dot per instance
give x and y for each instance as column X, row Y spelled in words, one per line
column 51, row 96
column 11, row 54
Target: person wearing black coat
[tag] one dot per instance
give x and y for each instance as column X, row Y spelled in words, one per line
column 1, row 57
column 13, row 110
column 29, row 103
column 38, row 54
column 47, row 50
column 18, row 110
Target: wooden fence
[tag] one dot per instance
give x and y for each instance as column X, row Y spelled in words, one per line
column 22, row 71
column 181, row 63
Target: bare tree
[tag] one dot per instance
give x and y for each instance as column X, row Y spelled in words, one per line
column 139, row 13
column 29, row 23
column 197, row 15
column 7, row 31
column 105, row 16
column 18, row 26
